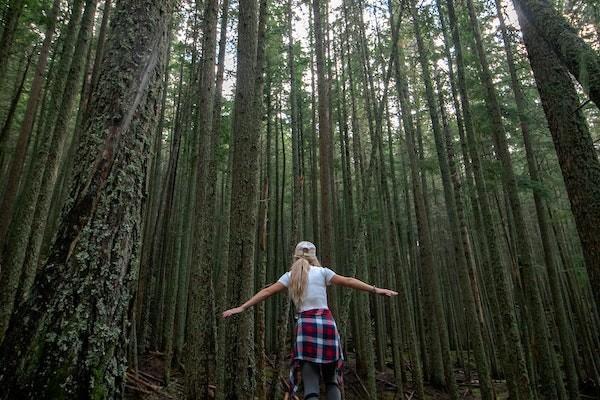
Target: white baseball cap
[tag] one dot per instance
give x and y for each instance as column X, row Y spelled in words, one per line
column 305, row 248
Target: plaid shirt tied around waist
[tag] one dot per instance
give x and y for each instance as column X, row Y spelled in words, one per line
column 317, row 340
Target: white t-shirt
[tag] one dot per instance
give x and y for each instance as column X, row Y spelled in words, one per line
column 315, row 295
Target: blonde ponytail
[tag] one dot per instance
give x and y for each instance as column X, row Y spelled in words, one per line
column 299, row 277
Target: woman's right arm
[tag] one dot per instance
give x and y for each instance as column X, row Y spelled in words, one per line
column 263, row 294
column 357, row 284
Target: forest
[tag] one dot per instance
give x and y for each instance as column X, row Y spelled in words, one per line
column 161, row 159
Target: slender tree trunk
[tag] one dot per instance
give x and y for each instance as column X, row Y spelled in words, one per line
column 172, row 265
column 263, row 21
column 59, row 137
column 10, row 115
column 325, row 138
column 201, row 316
column 216, row 126
column 37, row 182
column 298, row 179
column 101, row 45
column 314, row 196
column 18, row 158
column 13, row 13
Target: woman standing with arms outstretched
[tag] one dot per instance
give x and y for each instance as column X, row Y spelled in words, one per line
column 317, row 346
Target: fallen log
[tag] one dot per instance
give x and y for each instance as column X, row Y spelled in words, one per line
column 387, row 383
column 150, row 376
column 140, row 381
column 137, row 389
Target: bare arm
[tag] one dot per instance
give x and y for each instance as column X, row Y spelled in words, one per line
column 263, row 294
column 357, row 284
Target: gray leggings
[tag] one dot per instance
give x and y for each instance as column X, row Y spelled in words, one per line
column 310, row 378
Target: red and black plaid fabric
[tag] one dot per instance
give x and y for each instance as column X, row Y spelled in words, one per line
column 317, row 337
column 317, row 340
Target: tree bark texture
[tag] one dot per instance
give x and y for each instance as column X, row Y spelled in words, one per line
column 69, row 339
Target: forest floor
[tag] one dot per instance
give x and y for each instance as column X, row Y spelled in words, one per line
column 148, row 384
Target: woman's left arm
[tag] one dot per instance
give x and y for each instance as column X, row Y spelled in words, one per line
column 263, row 294
column 354, row 283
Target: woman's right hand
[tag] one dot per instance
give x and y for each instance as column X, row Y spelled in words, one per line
column 386, row 292
column 232, row 311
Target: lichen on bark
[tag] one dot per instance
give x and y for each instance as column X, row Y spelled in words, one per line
column 69, row 339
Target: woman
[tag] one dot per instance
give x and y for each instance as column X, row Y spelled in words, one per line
column 317, row 346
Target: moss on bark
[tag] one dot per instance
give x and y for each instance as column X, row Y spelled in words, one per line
column 69, row 339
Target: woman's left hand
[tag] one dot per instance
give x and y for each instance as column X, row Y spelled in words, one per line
column 386, row 292
column 232, row 311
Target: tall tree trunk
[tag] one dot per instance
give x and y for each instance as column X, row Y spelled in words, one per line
column 314, row 196
column 173, row 265
column 68, row 340
column 216, row 127
column 14, row 102
column 263, row 21
column 325, row 139
column 239, row 376
column 296, row 222
column 574, row 147
column 201, row 323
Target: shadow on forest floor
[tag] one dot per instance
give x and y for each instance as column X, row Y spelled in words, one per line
column 148, row 384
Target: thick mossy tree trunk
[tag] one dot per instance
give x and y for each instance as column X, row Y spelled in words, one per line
column 69, row 339
column 574, row 147
column 568, row 47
